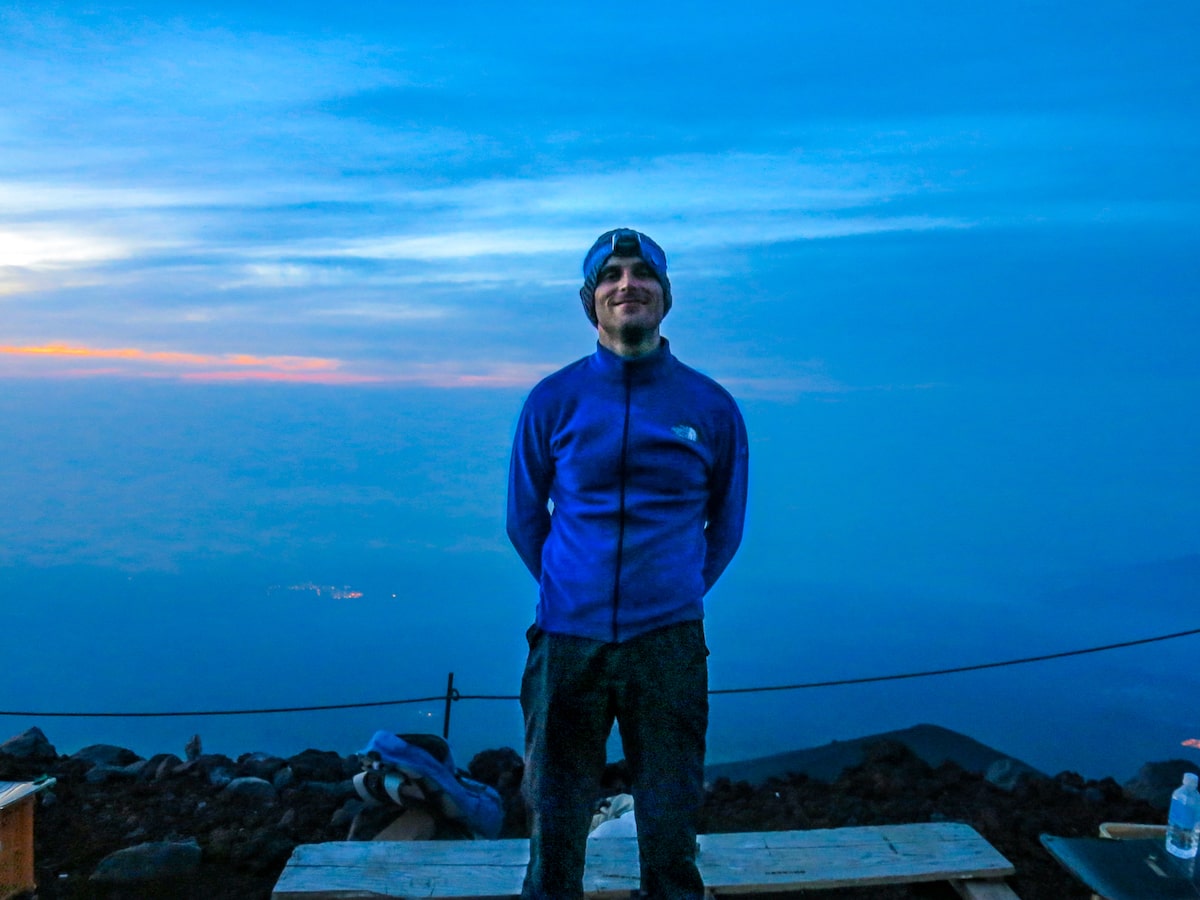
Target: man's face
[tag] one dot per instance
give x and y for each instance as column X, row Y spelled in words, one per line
column 629, row 299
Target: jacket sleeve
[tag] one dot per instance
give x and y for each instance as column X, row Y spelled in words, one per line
column 726, row 499
column 530, row 474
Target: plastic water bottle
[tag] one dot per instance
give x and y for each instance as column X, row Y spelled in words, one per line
column 1183, row 822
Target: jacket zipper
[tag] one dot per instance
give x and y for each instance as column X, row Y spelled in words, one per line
column 616, row 601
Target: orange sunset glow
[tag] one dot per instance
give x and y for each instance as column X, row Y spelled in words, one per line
column 187, row 366
column 281, row 363
column 245, row 367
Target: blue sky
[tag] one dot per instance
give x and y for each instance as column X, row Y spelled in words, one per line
column 273, row 282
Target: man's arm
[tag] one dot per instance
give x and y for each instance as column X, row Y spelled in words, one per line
column 530, row 473
column 726, row 500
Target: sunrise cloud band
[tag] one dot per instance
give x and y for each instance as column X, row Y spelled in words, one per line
column 81, row 362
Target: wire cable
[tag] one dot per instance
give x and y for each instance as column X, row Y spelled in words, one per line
column 455, row 695
column 224, row 712
column 972, row 668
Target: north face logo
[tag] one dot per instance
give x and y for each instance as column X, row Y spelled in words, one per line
column 687, row 432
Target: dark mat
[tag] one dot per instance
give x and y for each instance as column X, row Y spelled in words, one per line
column 1126, row 870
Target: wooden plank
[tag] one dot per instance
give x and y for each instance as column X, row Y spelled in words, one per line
column 932, row 833
column 448, row 853
column 846, row 857
column 441, row 869
column 731, row 864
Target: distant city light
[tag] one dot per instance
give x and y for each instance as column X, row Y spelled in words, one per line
column 337, row 593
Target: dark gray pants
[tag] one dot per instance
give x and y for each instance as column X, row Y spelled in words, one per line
column 656, row 688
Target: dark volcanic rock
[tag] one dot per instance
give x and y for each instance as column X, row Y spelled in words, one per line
column 1008, row 773
column 321, row 765
column 263, row 850
column 159, row 766
column 243, row 844
column 216, row 768
column 150, row 862
column 254, row 790
column 102, row 774
column 259, row 765
column 338, row 789
column 932, row 743
column 106, row 755
column 1155, row 782
column 31, row 745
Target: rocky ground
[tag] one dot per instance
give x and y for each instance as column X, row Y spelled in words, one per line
column 233, row 823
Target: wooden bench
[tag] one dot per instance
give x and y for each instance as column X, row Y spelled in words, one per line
column 731, row 864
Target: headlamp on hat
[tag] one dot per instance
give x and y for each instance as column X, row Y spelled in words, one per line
column 622, row 242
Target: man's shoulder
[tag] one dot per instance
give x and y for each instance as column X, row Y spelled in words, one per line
column 557, row 383
column 568, row 374
column 703, row 384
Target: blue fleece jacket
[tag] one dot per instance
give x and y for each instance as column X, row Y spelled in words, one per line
column 643, row 462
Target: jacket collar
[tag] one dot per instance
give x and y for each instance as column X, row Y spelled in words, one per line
column 640, row 369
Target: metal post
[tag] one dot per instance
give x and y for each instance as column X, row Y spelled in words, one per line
column 449, row 699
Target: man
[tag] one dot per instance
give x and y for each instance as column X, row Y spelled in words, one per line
column 643, row 461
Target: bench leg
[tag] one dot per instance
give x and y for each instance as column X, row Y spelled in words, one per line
column 984, row 890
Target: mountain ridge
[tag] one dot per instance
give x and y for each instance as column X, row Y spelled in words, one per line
column 931, row 743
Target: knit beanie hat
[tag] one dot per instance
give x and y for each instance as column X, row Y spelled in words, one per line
column 622, row 242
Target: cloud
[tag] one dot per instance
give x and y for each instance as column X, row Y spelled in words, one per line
column 385, row 312
column 490, row 231
column 173, row 358
column 787, row 386
column 184, row 181
column 332, row 378
column 70, row 194
column 519, row 229
column 494, row 375
column 690, row 183
column 76, row 361
column 537, row 240
column 44, row 248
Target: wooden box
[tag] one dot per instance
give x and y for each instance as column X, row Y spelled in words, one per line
column 16, row 836
column 16, row 848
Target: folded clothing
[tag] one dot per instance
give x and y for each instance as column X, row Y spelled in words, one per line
column 448, row 792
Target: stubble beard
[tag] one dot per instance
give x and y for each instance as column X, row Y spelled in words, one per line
column 632, row 338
